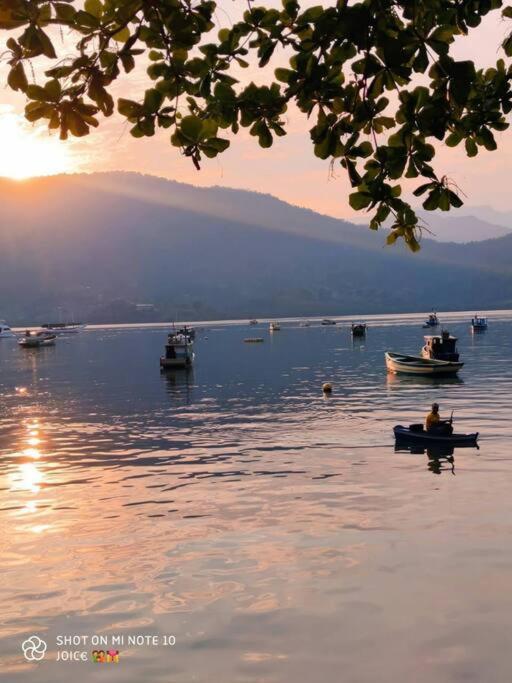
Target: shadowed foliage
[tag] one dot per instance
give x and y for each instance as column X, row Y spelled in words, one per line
column 352, row 71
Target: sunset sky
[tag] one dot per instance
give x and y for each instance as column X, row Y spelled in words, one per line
column 288, row 170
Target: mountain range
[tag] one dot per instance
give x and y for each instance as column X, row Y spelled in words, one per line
column 122, row 247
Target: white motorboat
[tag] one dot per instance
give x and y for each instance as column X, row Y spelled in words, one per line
column 178, row 351
column 275, row 326
column 37, row 339
column 64, row 328
column 5, row 331
column 399, row 363
column 478, row 323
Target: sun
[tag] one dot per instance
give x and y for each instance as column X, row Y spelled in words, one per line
column 27, row 150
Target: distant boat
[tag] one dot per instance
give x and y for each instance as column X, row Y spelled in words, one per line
column 432, row 320
column 5, row 331
column 328, row 321
column 359, row 329
column 254, row 340
column 275, row 326
column 253, row 322
column 417, row 365
column 478, row 323
column 188, row 332
column 178, row 351
column 305, row 323
column 64, row 328
column 441, row 347
column 37, row 340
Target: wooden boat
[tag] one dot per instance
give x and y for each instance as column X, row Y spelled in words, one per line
column 417, row 365
column 254, row 340
column 432, row 320
column 37, row 340
column 359, row 329
column 328, row 321
column 178, row 351
column 478, row 323
column 274, row 326
column 441, row 347
column 416, row 434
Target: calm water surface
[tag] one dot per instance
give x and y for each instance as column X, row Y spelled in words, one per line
column 274, row 532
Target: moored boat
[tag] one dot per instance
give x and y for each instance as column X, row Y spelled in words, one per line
column 418, row 365
column 178, row 351
column 359, row 329
column 63, row 328
column 417, row 434
column 253, row 322
column 478, row 323
column 432, row 320
column 5, row 331
column 328, row 321
column 37, row 340
column 441, row 347
column 274, row 326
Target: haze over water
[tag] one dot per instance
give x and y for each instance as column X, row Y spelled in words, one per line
column 273, row 531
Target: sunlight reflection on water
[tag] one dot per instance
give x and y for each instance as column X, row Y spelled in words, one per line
column 274, row 530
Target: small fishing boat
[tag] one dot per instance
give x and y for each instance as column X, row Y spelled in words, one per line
column 417, row 434
column 254, row 340
column 253, row 322
column 37, row 340
column 178, row 351
column 328, row 321
column 432, row 320
column 359, row 329
column 417, row 365
column 5, row 331
column 441, row 347
column 275, row 326
column 63, row 328
column 478, row 323
column 188, row 332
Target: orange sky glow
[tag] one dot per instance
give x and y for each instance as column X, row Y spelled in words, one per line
column 288, row 170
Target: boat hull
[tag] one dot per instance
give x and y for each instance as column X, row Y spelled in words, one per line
column 173, row 363
column 36, row 344
column 404, row 434
column 416, row 365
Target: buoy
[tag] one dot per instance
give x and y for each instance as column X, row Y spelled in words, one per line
column 327, row 387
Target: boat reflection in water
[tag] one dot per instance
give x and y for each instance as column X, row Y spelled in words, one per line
column 441, row 457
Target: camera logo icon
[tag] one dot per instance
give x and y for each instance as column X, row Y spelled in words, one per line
column 34, row 649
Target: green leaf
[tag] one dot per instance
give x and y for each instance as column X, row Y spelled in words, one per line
column 359, row 200
column 94, row 7
column 191, row 127
column 122, row 35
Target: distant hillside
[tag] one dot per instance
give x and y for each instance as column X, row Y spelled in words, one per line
column 94, row 246
column 455, row 227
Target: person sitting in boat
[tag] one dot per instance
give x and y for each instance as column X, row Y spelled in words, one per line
column 434, row 423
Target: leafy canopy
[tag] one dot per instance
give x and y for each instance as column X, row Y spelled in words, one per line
column 353, row 72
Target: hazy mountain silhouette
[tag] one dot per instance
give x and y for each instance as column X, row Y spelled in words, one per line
column 95, row 245
column 455, row 227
